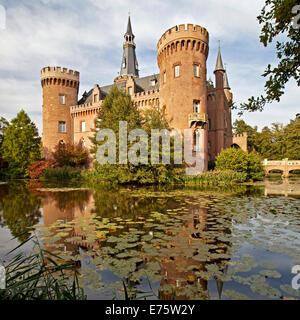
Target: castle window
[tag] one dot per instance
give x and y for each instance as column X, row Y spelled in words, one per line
column 196, row 70
column 62, row 126
column 176, row 71
column 62, row 99
column 153, row 82
column 165, row 77
column 82, row 126
column 96, row 97
column 130, row 91
column 196, row 106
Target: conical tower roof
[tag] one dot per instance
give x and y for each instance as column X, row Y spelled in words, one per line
column 129, row 29
column 219, row 64
column 226, row 83
column 129, row 66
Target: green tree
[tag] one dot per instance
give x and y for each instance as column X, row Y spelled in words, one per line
column 241, row 161
column 240, row 126
column 276, row 17
column 291, row 134
column 3, row 125
column 21, row 145
column 116, row 107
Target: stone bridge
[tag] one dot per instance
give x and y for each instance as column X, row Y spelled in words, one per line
column 285, row 165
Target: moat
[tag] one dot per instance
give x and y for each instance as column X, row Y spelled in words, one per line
column 164, row 243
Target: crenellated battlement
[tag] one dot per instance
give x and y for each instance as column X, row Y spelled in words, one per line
column 145, row 93
column 183, row 32
column 59, row 72
column 240, row 135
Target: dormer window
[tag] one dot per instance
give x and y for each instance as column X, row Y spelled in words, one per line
column 153, row 82
column 96, row 98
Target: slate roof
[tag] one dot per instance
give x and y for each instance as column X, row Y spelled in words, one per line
column 142, row 84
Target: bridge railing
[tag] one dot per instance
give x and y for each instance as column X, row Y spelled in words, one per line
column 284, row 162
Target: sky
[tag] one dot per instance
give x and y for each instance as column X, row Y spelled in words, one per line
column 87, row 36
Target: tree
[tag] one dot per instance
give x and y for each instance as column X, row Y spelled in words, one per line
column 241, row 161
column 292, row 139
column 21, row 145
column 3, row 125
column 240, row 126
column 116, row 107
column 276, row 17
column 70, row 155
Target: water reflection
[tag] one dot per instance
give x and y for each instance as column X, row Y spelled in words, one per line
column 177, row 241
column 20, row 209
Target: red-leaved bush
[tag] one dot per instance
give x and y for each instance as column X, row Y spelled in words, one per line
column 37, row 169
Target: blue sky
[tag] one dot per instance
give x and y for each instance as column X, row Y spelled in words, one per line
column 87, row 36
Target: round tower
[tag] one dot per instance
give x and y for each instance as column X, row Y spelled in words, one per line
column 60, row 92
column 181, row 54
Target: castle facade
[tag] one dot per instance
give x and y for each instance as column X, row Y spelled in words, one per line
column 181, row 90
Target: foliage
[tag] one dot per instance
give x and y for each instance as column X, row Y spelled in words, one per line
column 36, row 170
column 216, row 177
column 72, row 155
column 241, row 161
column 3, row 165
column 41, row 275
column 118, row 107
column 62, row 173
column 21, row 145
column 240, row 126
column 274, row 143
column 276, row 17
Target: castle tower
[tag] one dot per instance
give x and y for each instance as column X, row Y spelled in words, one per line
column 129, row 65
column 220, row 101
column 181, row 55
column 60, row 92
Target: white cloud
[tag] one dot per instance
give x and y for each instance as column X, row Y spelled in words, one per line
column 87, row 36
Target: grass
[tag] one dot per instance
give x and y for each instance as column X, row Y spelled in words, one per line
column 215, row 178
column 62, row 173
column 40, row 275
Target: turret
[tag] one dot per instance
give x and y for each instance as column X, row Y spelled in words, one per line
column 60, row 92
column 220, row 102
column 129, row 65
column 181, row 54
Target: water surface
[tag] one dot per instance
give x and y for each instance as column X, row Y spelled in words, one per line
column 164, row 243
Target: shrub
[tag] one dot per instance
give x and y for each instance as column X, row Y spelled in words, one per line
column 62, row 173
column 71, row 155
column 36, row 170
column 216, row 177
column 241, row 161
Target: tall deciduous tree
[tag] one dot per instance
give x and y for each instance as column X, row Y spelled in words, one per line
column 116, row 107
column 21, row 145
column 277, row 19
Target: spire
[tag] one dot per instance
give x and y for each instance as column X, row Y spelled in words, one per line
column 129, row 65
column 226, row 83
column 219, row 64
column 129, row 29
